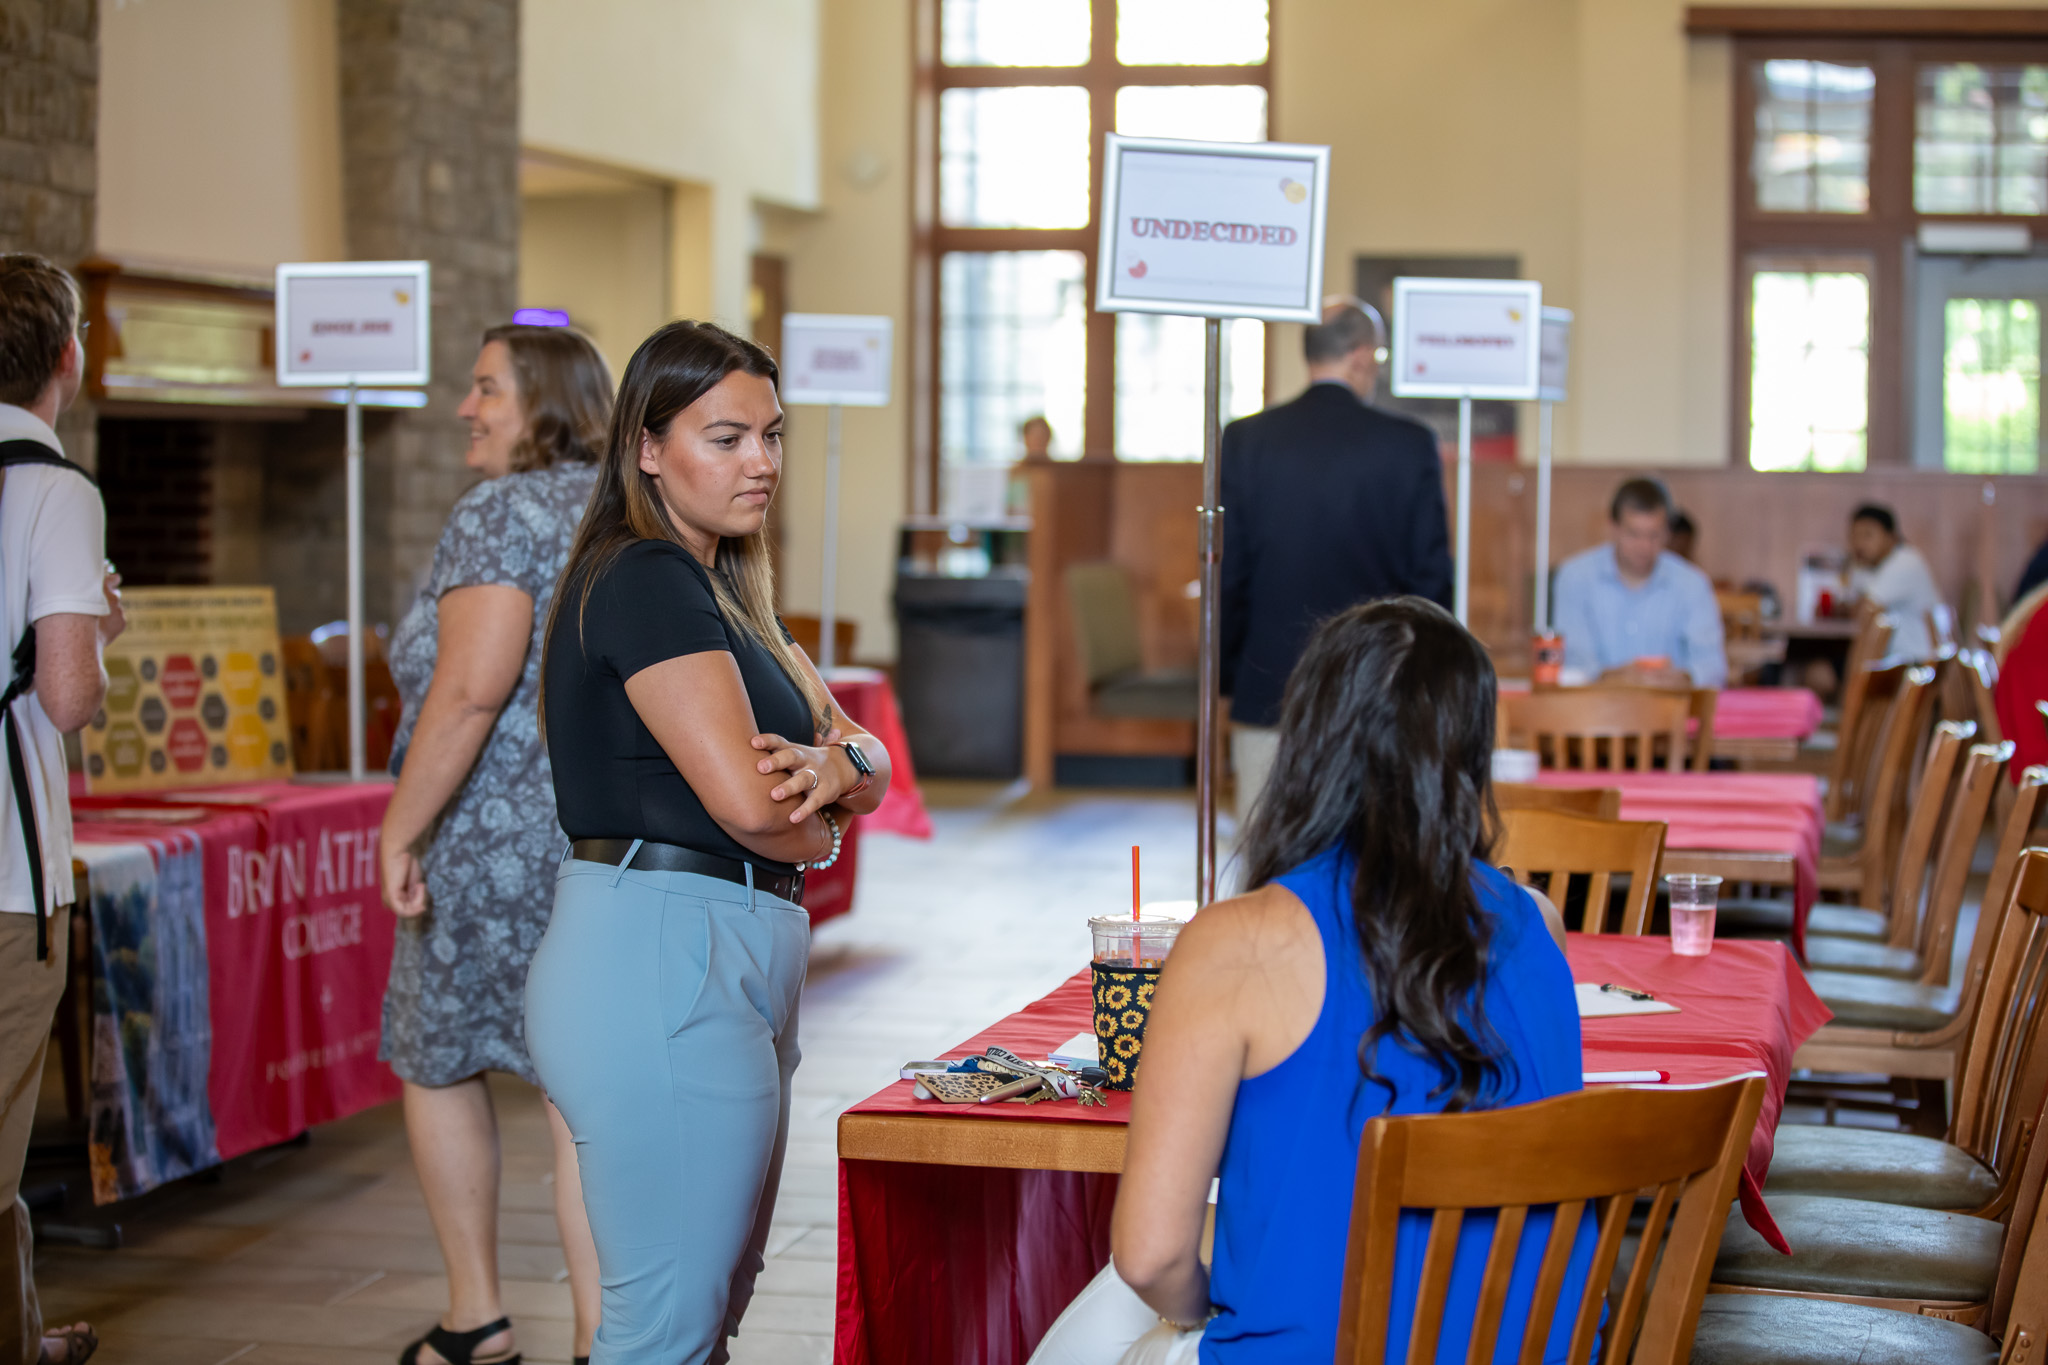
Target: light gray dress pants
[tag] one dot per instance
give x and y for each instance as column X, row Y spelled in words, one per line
column 661, row 1012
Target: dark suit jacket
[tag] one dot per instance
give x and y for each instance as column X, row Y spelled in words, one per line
column 1327, row 502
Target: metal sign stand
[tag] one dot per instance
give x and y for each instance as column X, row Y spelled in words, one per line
column 354, row 479
column 828, row 598
column 1543, row 517
column 1209, row 545
column 1461, row 592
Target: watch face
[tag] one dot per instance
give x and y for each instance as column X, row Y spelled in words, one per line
column 860, row 760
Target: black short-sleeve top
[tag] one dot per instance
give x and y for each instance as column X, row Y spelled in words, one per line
column 613, row 780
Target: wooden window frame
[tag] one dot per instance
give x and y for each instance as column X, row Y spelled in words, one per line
column 1883, row 234
column 931, row 240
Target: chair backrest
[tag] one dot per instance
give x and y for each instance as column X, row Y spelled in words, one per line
column 1105, row 621
column 1560, row 847
column 1865, row 690
column 1887, row 779
column 809, row 632
column 1742, row 613
column 2006, row 1064
column 1981, row 671
column 1941, row 628
column 1872, row 640
column 1600, row 1148
column 1923, row 821
column 1604, row 728
column 310, row 702
column 1602, row 803
column 1976, row 785
column 1705, row 700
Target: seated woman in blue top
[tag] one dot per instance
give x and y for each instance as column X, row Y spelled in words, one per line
column 1377, row 964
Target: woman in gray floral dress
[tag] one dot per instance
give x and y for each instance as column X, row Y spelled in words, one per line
column 471, row 838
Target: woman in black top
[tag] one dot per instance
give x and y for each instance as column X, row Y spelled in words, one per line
column 698, row 768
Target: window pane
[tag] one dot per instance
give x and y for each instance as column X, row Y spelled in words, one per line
column 1011, row 33
column 1190, row 32
column 1159, row 379
column 1812, row 137
column 1982, row 139
column 1012, row 344
column 1204, row 113
column 1014, row 157
column 1991, row 386
column 1809, row 376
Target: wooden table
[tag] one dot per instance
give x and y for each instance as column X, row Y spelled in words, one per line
column 963, row 1234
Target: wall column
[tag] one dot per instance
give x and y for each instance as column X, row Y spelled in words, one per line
column 430, row 170
column 49, row 162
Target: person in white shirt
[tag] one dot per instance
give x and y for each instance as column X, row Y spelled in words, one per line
column 58, row 598
column 1895, row 576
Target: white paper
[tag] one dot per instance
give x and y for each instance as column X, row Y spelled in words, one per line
column 1467, row 338
column 836, row 358
column 1595, row 1003
column 362, row 322
column 1078, row 1051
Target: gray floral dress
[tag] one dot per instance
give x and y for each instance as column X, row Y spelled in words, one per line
column 456, row 1003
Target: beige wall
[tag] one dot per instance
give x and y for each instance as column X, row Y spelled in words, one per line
column 720, row 97
column 853, row 257
column 219, row 136
column 603, row 257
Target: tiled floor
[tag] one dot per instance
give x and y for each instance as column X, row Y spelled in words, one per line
column 323, row 1255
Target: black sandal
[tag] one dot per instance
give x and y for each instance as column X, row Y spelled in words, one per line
column 459, row 1348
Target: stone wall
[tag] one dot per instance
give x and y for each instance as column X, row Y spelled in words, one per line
column 430, row 170
column 49, row 119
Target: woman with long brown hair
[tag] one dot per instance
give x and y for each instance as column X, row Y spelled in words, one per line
column 699, row 769
column 470, row 837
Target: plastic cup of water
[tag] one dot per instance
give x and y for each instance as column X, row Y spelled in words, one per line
column 1693, row 898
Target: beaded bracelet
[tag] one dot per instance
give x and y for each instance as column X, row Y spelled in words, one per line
column 833, row 857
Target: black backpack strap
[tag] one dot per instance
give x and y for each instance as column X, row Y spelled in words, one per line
column 23, row 678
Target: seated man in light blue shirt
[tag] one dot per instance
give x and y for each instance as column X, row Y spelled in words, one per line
column 1631, row 611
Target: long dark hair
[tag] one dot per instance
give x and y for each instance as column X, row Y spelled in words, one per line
column 1386, row 747
column 672, row 369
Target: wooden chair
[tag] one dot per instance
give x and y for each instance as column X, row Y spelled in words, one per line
column 1862, row 862
column 1597, row 1148
column 809, row 633
column 309, row 701
column 1105, row 614
column 1980, row 670
column 1609, row 729
column 1560, row 847
column 381, row 704
column 1912, row 1030
column 1853, row 732
column 1898, row 1256
column 1941, row 629
column 1601, row 803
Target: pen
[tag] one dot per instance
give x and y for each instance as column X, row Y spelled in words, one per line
column 1624, row 990
column 1626, row 1078
column 1015, row 1088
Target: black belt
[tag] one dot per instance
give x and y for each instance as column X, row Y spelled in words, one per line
column 659, row 857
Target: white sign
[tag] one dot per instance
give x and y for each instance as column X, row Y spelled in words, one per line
column 1556, row 347
column 352, row 322
column 1466, row 338
column 836, row 358
column 1212, row 229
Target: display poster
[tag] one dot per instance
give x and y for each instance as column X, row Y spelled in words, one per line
column 836, row 358
column 1213, row 229
column 352, row 322
column 1554, row 373
column 195, row 693
column 1467, row 338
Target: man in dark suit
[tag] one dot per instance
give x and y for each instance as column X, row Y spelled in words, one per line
column 1327, row 502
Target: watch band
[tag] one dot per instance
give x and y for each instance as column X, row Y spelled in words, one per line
column 861, row 765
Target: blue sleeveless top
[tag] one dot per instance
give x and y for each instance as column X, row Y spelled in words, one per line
column 1283, row 1216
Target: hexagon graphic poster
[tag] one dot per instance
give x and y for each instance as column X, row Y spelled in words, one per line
column 195, row 693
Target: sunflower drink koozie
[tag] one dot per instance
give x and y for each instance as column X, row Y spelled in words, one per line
column 1128, row 955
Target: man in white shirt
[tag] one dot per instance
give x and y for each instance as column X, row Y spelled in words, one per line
column 56, row 591
column 1895, row 576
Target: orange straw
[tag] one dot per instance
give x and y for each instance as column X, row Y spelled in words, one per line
column 1134, row 881
column 1137, row 949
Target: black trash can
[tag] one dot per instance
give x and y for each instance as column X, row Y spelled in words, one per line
column 960, row 672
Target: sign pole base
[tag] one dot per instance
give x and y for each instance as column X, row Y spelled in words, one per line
column 1461, row 592
column 828, row 597
column 355, row 585
column 1210, row 546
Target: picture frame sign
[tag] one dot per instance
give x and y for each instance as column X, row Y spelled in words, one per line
column 1554, row 372
column 841, row 358
column 1213, row 229
column 353, row 322
column 1467, row 338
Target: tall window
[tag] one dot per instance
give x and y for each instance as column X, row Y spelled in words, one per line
column 1868, row 331
column 1013, row 99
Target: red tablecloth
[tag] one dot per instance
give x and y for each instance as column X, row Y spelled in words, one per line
column 1749, row 812
column 1766, row 713
column 865, row 696
column 287, row 932
column 955, row 1263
